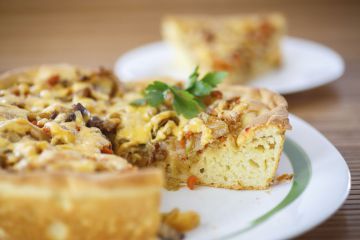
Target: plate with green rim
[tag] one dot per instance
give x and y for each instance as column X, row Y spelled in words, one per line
column 320, row 185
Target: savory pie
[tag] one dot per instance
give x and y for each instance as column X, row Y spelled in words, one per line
column 243, row 45
column 50, row 150
column 78, row 159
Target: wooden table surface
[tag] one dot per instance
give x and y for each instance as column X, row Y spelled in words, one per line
column 96, row 32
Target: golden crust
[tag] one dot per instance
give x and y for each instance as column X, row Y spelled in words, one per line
column 59, row 181
column 87, row 206
column 9, row 77
column 278, row 114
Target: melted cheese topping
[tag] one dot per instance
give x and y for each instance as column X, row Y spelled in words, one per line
column 60, row 134
column 196, row 125
column 67, row 118
column 40, row 127
column 136, row 125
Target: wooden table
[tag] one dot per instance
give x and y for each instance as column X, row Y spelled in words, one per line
column 96, row 32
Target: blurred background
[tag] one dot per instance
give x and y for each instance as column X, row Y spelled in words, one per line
column 96, row 32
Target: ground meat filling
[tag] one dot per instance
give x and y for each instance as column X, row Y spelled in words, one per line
column 106, row 126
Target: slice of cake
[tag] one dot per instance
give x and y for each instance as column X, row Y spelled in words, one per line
column 243, row 45
column 236, row 142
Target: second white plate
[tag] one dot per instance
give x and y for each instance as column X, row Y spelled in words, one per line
column 306, row 65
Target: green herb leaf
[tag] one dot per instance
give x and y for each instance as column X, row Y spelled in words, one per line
column 200, row 103
column 201, row 89
column 193, row 78
column 185, row 104
column 214, row 78
column 204, row 86
column 154, row 93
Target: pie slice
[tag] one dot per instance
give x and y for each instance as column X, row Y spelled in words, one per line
column 235, row 143
column 243, row 45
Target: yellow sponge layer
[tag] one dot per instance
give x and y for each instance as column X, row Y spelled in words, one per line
column 246, row 162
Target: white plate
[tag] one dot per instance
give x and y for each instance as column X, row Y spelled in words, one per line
column 306, row 65
column 320, row 186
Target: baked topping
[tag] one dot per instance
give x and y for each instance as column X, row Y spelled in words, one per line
column 65, row 111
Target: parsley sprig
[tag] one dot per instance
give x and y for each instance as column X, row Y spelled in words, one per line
column 187, row 102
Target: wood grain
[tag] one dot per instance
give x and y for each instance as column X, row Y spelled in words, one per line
column 96, row 32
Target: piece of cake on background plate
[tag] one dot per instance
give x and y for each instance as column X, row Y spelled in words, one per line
column 243, row 45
